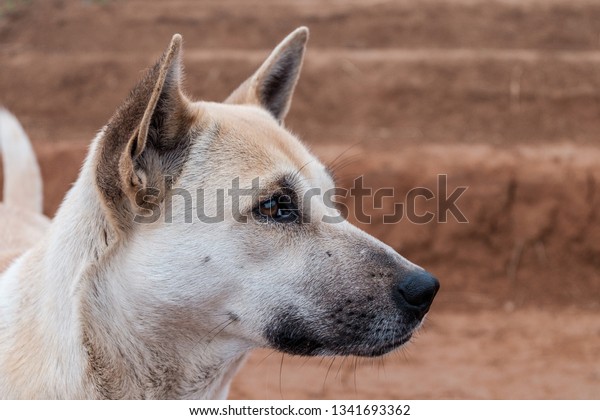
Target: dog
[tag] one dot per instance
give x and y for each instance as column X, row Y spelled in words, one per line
column 106, row 301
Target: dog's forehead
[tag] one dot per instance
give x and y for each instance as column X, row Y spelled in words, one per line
column 247, row 141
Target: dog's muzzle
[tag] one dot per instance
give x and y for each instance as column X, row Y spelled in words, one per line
column 360, row 323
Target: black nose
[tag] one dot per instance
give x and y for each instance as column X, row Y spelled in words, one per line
column 418, row 290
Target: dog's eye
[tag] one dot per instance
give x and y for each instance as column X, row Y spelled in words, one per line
column 279, row 208
column 269, row 208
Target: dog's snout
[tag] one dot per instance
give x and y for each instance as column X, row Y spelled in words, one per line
column 417, row 289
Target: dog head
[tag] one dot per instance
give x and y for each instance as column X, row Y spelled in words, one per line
column 221, row 215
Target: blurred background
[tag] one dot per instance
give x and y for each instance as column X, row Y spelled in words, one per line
column 503, row 96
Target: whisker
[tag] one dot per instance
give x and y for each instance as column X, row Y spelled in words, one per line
column 221, row 330
column 346, row 161
column 212, row 330
column 330, row 164
column 351, row 160
column 266, row 357
column 326, row 375
column 302, row 167
column 354, row 374
column 305, row 360
column 340, row 366
column 280, row 375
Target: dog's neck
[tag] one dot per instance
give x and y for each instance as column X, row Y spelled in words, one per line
column 42, row 352
column 139, row 347
column 122, row 346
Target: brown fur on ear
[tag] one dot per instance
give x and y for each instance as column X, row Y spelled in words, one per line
column 146, row 140
column 170, row 67
column 273, row 83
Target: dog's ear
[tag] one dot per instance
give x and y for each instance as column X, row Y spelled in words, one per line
column 146, row 142
column 273, row 83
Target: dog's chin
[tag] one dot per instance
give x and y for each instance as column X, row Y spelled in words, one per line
column 304, row 342
column 305, row 346
column 386, row 347
column 370, row 350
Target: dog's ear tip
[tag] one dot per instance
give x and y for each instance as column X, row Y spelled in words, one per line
column 301, row 34
column 302, row 30
column 176, row 41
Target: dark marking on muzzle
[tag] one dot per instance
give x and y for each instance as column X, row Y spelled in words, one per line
column 292, row 334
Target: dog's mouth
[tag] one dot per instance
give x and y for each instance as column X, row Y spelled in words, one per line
column 309, row 346
column 299, row 337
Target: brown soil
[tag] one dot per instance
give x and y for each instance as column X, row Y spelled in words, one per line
column 502, row 96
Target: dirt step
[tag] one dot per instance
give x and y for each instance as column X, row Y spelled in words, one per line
column 430, row 95
column 537, row 24
column 532, row 213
